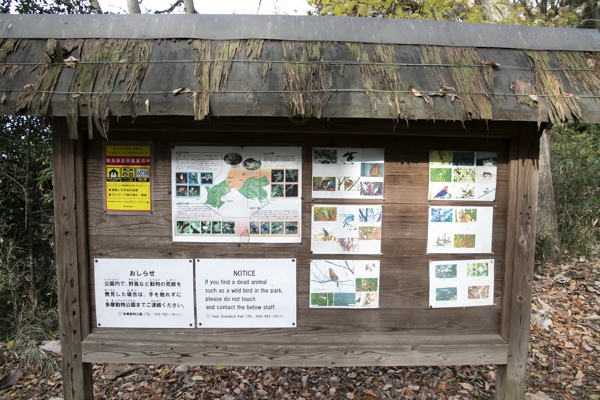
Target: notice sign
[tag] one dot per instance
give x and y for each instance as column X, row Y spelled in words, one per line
column 127, row 170
column 144, row 293
column 246, row 293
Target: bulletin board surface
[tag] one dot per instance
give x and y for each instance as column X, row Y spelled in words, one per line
column 402, row 317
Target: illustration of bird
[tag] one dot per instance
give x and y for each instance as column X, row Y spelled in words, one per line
column 348, row 221
column 349, row 155
column 326, row 237
column 442, row 193
column 334, row 277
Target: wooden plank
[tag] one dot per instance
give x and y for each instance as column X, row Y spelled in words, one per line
column 143, row 125
column 511, row 378
column 77, row 379
column 309, row 356
column 353, row 351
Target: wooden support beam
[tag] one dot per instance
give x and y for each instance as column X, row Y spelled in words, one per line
column 520, row 245
column 70, row 251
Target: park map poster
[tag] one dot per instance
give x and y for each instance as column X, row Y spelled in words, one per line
column 236, row 194
column 128, row 184
column 461, row 283
column 345, row 173
column 462, row 175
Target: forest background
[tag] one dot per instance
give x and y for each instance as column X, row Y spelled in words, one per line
column 569, row 225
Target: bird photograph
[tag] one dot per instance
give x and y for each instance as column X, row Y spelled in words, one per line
column 334, row 277
column 443, row 194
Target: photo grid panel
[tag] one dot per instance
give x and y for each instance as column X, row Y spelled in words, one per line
column 461, row 283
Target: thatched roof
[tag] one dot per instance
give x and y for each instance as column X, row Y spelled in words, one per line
column 323, row 67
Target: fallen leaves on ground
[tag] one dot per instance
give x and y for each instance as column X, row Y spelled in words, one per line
column 563, row 363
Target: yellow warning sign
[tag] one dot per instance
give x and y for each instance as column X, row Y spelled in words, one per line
column 128, row 178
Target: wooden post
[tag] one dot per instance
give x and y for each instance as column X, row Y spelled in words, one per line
column 70, row 251
column 520, row 253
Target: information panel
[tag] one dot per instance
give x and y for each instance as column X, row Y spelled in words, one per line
column 460, row 230
column 236, row 194
column 462, row 175
column 344, row 284
column 246, row 293
column 343, row 229
column 144, row 293
column 344, row 173
column 128, row 184
column 461, row 283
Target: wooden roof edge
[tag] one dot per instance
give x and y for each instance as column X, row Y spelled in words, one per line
column 297, row 28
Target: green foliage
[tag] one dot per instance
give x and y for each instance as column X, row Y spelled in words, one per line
column 425, row 9
column 563, row 13
column 46, row 6
column 576, row 172
column 27, row 269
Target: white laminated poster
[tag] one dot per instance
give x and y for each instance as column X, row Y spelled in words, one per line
column 343, row 173
column 344, row 284
column 460, row 230
column 144, row 293
column 462, row 175
column 236, row 194
column 346, row 229
column 246, row 293
column 462, row 283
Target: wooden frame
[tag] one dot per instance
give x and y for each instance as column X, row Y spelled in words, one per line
column 390, row 336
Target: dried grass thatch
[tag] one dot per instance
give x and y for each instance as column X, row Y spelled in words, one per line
column 474, row 82
column 306, row 78
column 561, row 106
column 381, row 77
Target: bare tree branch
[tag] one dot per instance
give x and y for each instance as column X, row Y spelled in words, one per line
column 170, row 9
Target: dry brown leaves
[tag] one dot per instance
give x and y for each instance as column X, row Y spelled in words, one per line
column 563, row 363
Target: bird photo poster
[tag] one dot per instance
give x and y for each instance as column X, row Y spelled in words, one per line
column 343, row 173
column 344, row 283
column 460, row 229
column 236, row 194
column 461, row 283
column 462, row 175
column 346, row 229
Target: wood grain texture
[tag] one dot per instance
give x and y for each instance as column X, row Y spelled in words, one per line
column 77, row 377
column 511, row 378
column 491, row 351
column 403, row 318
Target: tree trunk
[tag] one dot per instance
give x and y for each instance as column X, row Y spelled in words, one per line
column 595, row 12
column 133, row 7
column 547, row 222
column 97, row 8
column 189, row 7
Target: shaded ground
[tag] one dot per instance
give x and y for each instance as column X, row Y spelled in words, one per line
column 564, row 363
